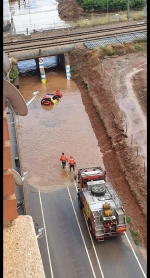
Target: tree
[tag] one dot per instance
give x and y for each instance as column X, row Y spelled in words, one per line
column 114, row 5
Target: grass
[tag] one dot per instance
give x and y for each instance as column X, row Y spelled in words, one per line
column 135, row 234
column 136, row 237
column 128, row 219
column 100, row 19
column 119, row 49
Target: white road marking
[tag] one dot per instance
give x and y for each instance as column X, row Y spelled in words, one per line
column 92, row 242
column 51, row 270
column 50, row 263
column 135, row 256
column 96, row 252
column 82, row 235
column 94, row 248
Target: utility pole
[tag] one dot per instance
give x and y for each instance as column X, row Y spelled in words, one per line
column 128, row 8
column 107, row 7
column 11, row 24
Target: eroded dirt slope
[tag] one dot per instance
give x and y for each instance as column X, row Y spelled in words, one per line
column 123, row 165
column 68, row 10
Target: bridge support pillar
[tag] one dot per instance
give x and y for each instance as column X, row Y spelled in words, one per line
column 60, row 61
column 67, row 65
column 37, row 63
column 42, row 71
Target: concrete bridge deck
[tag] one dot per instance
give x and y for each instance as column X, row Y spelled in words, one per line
column 44, row 52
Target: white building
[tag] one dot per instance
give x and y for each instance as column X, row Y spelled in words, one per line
column 6, row 13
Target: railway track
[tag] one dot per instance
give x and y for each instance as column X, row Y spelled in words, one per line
column 70, row 37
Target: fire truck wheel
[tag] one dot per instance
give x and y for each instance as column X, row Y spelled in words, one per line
column 90, row 226
column 98, row 190
column 81, row 206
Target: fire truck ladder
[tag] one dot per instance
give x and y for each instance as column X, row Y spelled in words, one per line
column 114, row 195
column 99, row 226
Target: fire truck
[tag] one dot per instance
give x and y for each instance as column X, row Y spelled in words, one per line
column 100, row 203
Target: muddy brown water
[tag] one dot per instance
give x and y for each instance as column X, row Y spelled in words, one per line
column 46, row 132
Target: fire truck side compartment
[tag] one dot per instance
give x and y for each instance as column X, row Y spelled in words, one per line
column 120, row 216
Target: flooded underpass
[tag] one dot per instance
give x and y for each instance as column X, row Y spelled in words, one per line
column 47, row 131
column 49, row 192
column 74, row 127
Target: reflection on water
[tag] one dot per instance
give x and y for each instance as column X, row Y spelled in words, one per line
column 26, row 66
column 35, row 15
column 30, row 65
column 47, row 132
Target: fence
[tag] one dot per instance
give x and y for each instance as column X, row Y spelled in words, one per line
column 32, row 28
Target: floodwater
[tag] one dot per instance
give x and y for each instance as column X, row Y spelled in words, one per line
column 35, row 15
column 46, row 131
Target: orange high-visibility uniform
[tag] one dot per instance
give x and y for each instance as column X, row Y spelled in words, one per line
column 71, row 161
column 63, row 158
column 58, row 93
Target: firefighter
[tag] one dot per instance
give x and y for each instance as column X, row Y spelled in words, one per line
column 58, row 93
column 63, row 159
column 71, row 163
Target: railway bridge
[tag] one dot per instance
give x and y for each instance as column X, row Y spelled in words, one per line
column 39, row 52
column 59, row 43
column 37, row 46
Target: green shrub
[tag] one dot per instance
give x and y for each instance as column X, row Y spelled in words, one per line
column 109, row 50
column 136, row 237
column 134, row 233
column 113, row 5
column 137, row 47
column 13, row 74
column 128, row 219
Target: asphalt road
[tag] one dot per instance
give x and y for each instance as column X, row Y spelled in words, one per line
column 67, row 249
